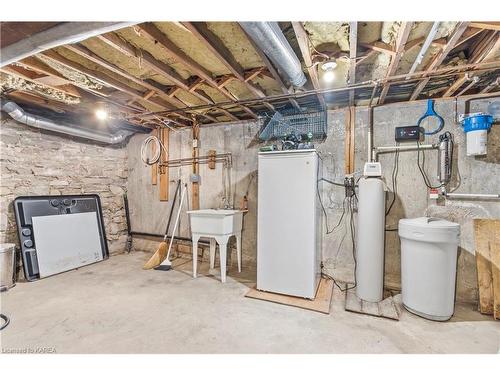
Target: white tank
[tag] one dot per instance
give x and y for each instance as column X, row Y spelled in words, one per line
column 428, row 266
column 370, row 241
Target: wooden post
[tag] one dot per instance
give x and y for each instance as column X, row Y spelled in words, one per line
column 195, row 187
column 154, row 167
column 164, row 137
column 350, row 114
column 487, row 241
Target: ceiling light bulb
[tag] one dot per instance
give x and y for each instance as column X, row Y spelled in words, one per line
column 329, row 76
column 329, row 65
column 101, row 114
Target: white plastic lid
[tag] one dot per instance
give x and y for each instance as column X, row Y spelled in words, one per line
column 429, row 229
column 429, row 222
column 4, row 247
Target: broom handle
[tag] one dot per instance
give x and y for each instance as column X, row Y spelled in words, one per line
column 172, row 209
column 176, row 220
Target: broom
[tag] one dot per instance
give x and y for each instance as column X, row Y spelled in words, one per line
column 161, row 252
column 166, row 265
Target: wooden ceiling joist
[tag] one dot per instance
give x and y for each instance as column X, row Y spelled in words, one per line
column 150, row 31
column 106, row 80
column 486, row 49
column 39, row 66
column 491, row 85
column 379, row 46
column 486, row 25
column 215, row 45
column 89, row 55
column 27, row 77
column 440, row 57
column 402, row 38
column 155, row 65
column 201, row 31
column 303, row 41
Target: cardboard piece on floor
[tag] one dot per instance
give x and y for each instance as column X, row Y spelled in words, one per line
column 385, row 309
column 320, row 304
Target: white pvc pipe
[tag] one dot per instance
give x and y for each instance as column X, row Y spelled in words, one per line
column 471, row 195
column 425, row 47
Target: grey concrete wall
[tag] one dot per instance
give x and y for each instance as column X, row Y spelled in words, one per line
column 479, row 175
column 39, row 163
column 149, row 214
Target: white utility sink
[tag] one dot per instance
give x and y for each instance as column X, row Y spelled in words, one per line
column 218, row 225
column 216, row 222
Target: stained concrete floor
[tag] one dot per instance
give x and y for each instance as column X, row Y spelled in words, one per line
column 116, row 307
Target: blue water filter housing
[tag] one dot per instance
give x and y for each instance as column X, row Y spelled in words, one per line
column 476, row 127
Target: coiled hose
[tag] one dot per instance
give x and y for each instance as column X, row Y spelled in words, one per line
column 6, row 321
column 159, row 146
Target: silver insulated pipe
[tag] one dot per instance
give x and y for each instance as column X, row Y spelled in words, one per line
column 270, row 39
column 18, row 114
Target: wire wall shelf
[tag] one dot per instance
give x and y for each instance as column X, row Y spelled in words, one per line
column 287, row 122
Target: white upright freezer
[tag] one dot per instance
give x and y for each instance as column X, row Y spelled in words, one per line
column 289, row 228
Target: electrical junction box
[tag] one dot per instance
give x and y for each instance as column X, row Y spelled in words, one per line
column 372, row 169
column 407, row 133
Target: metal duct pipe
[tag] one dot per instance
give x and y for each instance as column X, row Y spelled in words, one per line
column 18, row 114
column 66, row 33
column 270, row 39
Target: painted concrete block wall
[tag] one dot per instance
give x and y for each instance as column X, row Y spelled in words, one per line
column 479, row 175
column 42, row 163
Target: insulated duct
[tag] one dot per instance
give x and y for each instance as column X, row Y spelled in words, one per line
column 35, row 121
column 270, row 39
column 65, row 33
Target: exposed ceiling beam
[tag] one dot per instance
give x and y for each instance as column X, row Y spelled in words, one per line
column 101, row 77
column 155, row 65
column 469, row 33
column 491, row 85
column 25, row 76
column 217, row 47
column 486, row 25
column 440, row 57
column 89, row 55
column 150, row 31
column 303, row 41
column 484, row 51
column 65, row 33
column 201, row 31
column 402, row 38
column 364, row 57
column 379, row 47
column 353, row 49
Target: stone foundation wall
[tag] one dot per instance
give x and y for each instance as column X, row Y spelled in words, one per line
column 40, row 163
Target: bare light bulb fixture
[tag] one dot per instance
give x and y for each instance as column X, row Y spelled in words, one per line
column 101, row 114
column 328, row 68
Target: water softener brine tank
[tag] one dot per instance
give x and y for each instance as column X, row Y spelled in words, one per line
column 370, row 242
column 428, row 266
